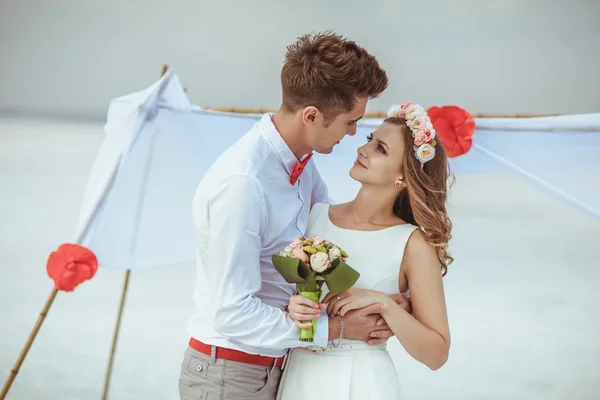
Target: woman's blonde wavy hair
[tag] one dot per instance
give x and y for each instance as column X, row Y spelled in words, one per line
column 422, row 201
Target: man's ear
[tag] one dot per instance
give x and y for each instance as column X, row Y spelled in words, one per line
column 309, row 114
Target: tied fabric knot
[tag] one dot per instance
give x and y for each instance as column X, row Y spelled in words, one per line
column 299, row 168
column 455, row 127
column 70, row 265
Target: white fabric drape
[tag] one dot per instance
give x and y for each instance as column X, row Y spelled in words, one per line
column 136, row 210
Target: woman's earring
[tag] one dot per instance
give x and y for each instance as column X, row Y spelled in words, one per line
column 398, row 183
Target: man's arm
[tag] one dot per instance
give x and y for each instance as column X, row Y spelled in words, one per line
column 381, row 332
column 237, row 220
column 320, row 193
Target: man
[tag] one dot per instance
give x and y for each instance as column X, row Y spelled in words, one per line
column 251, row 204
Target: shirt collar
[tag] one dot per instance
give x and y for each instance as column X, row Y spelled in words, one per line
column 283, row 150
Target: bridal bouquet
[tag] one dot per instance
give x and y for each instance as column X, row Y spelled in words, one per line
column 310, row 262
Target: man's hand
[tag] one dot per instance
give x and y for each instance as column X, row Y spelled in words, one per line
column 359, row 324
column 303, row 310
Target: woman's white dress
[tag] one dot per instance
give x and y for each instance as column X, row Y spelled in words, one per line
column 353, row 370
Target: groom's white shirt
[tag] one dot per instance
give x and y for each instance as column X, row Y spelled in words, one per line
column 245, row 210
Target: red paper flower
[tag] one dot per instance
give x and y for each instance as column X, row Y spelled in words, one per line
column 71, row 265
column 454, row 126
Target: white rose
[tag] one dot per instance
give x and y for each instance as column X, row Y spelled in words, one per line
column 425, row 152
column 418, row 122
column 334, row 253
column 394, row 111
column 319, row 262
column 287, row 252
column 414, row 111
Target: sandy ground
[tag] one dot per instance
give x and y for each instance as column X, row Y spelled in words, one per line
column 522, row 295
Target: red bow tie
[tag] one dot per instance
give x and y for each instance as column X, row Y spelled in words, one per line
column 299, row 168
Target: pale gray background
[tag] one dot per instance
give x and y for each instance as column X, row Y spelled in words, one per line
column 70, row 57
column 522, row 295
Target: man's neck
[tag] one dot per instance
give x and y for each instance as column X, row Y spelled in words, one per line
column 292, row 133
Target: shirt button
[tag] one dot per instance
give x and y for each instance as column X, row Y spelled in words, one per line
column 199, row 368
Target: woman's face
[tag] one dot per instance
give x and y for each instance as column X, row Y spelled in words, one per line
column 379, row 161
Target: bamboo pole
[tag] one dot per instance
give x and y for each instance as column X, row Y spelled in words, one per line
column 115, row 336
column 28, row 343
column 113, row 348
column 377, row 114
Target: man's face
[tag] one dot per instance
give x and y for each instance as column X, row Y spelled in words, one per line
column 323, row 138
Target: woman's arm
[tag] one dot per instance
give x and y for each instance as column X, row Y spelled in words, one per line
column 425, row 335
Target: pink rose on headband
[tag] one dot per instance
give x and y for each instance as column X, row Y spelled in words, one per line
column 424, row 135
column 403, row 109
column 421, row 137
column 398, row 110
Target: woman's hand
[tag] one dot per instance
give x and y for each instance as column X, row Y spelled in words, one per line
column 302, row 309
column 353, row 299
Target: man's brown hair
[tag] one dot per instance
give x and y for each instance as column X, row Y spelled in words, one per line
column 328, row 71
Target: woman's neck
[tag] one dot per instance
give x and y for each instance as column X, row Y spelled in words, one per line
column 373, row 206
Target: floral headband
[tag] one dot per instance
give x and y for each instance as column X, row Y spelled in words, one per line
column 421, row 129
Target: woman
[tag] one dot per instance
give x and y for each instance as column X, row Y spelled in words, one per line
column 396, row 232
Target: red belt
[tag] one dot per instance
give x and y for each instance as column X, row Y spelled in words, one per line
column 236, row 355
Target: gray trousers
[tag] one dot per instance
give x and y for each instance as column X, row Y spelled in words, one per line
column 205, row 377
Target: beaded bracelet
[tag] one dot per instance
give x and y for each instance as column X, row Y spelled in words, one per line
column 341, row 332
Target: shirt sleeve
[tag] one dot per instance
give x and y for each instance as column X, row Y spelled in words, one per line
column 238, row 218
column 320, row 193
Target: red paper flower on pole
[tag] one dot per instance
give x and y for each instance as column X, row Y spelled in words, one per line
column 455, row 127
column 70, row 265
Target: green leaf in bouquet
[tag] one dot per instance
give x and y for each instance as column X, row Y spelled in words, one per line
column 340, row 277
column 295, row 271
column 321, row 249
